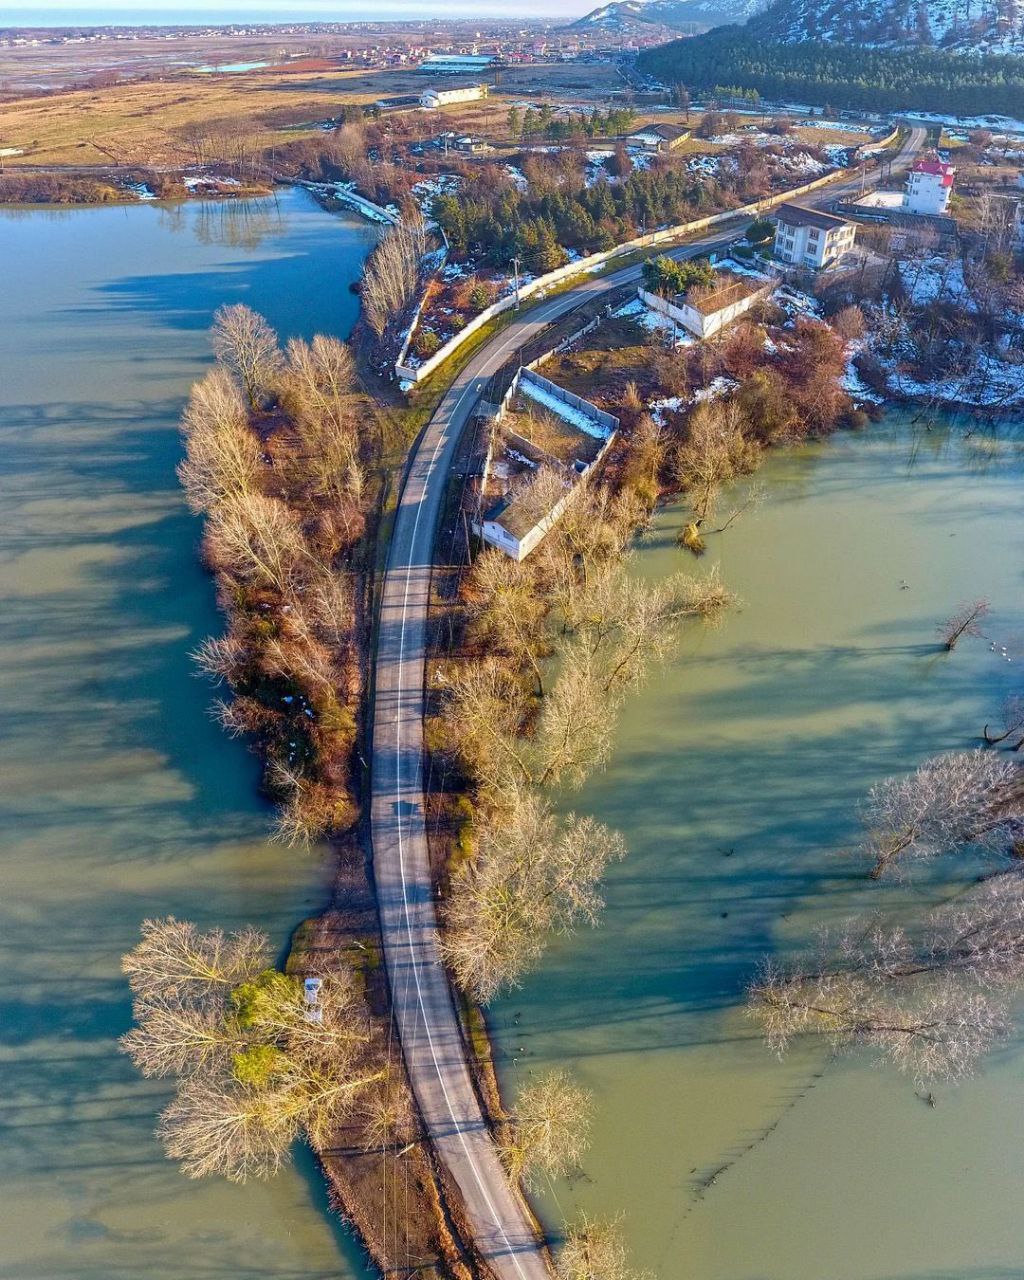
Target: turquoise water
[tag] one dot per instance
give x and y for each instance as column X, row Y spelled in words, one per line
column 231, row 67
column 119, row 798
column 735, row 780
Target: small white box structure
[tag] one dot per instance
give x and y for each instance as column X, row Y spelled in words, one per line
column 434, row 98
column 810, row 238
column 929, row 186
column 708, row 310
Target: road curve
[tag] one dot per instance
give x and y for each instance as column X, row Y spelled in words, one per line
column 422, row 1000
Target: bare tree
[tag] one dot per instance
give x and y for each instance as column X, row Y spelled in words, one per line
column 576, row 723
column 257, row 540
column 630, row 625
column 318, row 391
column 507, row 609
column 222, row 454
column 963, row 623
column 247, row 346
column 214, row 1127
column 392, row 272
column 532, row 875
column 713, row 452
column 1012, row 716
column 932, row 1004
column 175, row 1038
column 175, row 960
column 595, row 1250
column 966, row 799
column 221, row 658
column 549, row 1131
column 257, row 1062
column 484, row 714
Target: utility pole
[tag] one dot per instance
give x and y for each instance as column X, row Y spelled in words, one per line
column 515, row 268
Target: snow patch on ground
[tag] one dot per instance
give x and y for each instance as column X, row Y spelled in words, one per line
column 857, row 389
column 568, row 413
column 795, row 303
column 834, row 126
column 671, row 404
column 654, row 322
column 200, row 182
column 927, row 280
column 720, row 386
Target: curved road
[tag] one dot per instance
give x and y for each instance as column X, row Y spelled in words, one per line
column 422, row 1001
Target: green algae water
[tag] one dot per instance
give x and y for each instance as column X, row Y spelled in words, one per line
column 735, row 779
column 120, row 797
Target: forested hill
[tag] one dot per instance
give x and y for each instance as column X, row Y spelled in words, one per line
column 841, row 75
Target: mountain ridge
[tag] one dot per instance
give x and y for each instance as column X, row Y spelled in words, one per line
column 625, row 17
column 961, row 26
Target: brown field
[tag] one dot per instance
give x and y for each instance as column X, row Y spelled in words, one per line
column 838, row 136
column 140, row 122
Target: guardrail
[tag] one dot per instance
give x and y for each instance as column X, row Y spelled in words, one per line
column 408, row 373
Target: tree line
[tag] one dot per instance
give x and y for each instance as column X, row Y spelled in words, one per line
column 844, row 75
column 566, row 634
column 491, row 219
column 276, row 447
column 541, row 122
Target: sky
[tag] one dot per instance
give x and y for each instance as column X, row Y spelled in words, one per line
column 129, row 11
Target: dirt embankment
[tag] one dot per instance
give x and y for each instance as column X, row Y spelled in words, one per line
column 395, row 1197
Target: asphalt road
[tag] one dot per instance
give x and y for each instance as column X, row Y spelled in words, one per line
column 424, row 1008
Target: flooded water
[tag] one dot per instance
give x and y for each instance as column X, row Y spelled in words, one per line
column 735, row 780
column 120, row 798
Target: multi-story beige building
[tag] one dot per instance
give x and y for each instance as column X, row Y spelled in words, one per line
column 810, row 238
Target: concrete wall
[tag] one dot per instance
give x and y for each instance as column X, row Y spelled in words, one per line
column 489, row 530
column 655, row 238
column 606, row 420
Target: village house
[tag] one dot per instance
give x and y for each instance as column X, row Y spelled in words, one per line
column 705, row 310
column 929, row 186
column 472, row 146
column 810, row 238
column 658, row 137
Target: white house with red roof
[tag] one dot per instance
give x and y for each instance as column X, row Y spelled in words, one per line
column 929, row 186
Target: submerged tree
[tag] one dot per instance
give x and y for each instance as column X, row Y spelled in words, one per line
column 931, row 1003
column 258, row 1064
column 963, row 623
column 533, row 875
column 595, row 1251
column 1012, row 718
column 966, row 799
column 715, row 450
column 548, row 1134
